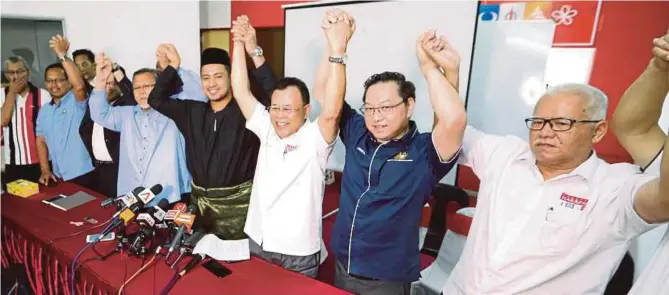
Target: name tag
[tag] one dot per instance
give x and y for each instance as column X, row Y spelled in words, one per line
column 573, row 202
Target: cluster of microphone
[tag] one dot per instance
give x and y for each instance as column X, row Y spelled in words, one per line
column 133, row 208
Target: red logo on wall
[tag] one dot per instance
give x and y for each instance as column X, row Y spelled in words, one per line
column 576, row 22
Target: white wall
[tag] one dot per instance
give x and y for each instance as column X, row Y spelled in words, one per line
column 214, row 14
column 128, row 31
column 384, row 40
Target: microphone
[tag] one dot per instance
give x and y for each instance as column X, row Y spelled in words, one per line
column 148, row 195
column 124, row 217
column 128, row 196
column 170, row 215
column 128, row 201
column 184, row 221
column 131, row 205
column 146, row 222
column 192, row 263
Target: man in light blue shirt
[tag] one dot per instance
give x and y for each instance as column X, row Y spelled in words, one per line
column 58, row 122
column 152, row 148
column 192, row 87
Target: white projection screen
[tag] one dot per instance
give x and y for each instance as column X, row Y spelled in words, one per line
column 384, row 40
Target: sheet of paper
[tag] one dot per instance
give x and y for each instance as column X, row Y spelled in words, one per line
column 223, row 250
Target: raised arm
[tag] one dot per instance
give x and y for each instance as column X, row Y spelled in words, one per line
column 323, row 70
column 127, row 94
column 168, row 82
column 652, row 199
column 436, row 57
column 262, row 73
column 338, row 34
column 192, row 86
column 101, row 112
column 239, row 79
column 60, row 46
column 635, row 121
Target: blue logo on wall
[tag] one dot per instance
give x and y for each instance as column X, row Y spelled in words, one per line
column 489, row 12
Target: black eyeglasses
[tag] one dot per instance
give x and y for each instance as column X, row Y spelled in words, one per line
column 557, row 124
column 384, row 110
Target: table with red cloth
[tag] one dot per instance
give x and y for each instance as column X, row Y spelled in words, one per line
column 29, row 228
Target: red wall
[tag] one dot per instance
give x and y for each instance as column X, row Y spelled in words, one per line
column 263, row 14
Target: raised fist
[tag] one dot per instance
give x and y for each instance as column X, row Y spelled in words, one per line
column 661, row 51
column 445, row 56
column 168, row 55
column 424, row 60
column 243, row 31
column 103, row 67
column 339, row 27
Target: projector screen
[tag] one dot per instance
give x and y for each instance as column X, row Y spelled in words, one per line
column 384, row 40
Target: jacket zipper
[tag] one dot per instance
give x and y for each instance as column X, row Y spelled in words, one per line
column 355, row 212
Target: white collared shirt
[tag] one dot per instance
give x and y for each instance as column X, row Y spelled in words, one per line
column 285, row 211
column 100, row 151
column 654, row 278
column 531, row 236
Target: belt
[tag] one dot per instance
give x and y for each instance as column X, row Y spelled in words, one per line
column 103, row 162
column 362, row 277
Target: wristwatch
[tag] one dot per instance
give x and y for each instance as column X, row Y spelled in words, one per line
column 258, row 51
column 65, row 57
column 339, row 60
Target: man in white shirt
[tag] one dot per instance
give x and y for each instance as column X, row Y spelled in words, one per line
column 551, row 215
column 21, row 102
column 635, row 123
column 285, row 211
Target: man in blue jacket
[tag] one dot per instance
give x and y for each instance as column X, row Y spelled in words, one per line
column 391, row 169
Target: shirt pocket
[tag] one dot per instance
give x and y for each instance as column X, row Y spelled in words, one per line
column 560, row 228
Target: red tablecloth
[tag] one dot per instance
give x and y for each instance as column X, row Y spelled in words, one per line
column 28, row 226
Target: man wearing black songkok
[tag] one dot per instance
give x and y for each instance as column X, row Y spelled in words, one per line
column 221, row 153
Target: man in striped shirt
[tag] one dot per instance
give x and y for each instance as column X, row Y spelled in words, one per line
column 21, row 102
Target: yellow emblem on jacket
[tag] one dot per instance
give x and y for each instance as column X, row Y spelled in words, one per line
column 401, row 156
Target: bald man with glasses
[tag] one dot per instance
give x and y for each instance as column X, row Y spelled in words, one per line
column 551, row 215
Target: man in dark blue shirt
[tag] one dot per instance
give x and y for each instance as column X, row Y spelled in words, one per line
column 391, row 169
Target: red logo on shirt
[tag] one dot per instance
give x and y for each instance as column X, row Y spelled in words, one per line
column 573, row 202
column 289, row 148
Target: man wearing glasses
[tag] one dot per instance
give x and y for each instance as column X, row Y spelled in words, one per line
column 58, row 122
column 551, row 215
column 635, row 123
column 391, row 169
column 152, row 148
column 21, row 102
column 285, row 212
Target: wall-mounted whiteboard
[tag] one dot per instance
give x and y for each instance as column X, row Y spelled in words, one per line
column 508, row 74
column 385, row 40
column 569, row 65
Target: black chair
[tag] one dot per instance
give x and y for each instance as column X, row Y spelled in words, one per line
column 443, row 194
